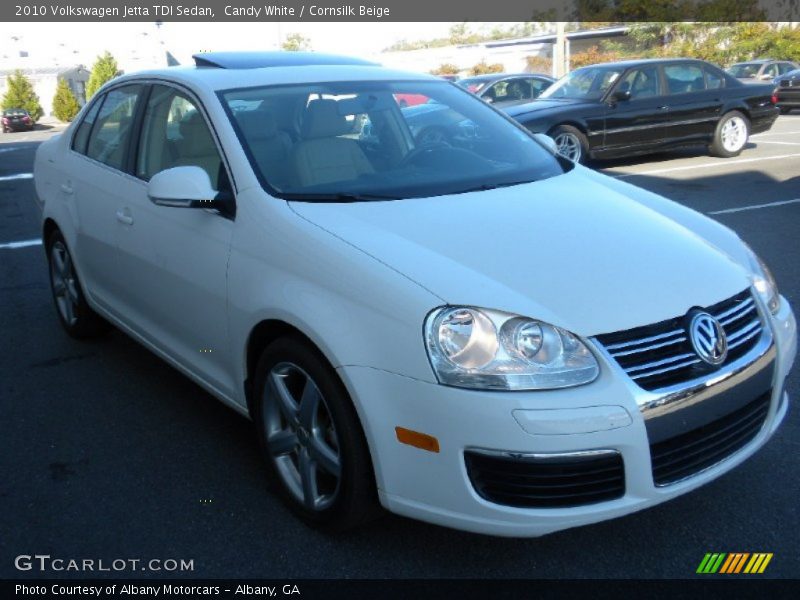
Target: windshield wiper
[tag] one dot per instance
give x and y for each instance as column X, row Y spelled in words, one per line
column 340, row 197
column 485, row 187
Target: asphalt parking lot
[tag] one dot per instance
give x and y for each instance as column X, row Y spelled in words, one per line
column 106, row 452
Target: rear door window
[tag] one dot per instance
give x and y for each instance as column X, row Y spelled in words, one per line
column 684, row 78
column 111, row 131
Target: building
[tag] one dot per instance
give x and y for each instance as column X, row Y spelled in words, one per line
column 45, row 80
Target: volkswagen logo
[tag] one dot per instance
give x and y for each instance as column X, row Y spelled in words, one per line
column 708, row 338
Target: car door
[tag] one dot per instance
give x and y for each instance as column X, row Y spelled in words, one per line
column 173, row 261
column 93, row 180
column 694, row 104
column 636, row 120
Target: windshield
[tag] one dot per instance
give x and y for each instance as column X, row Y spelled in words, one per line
column 588, row 83
column 745, row 70
column 365, row 141
column 15, row 112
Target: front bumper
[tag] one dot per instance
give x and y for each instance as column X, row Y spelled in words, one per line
column 435, row 487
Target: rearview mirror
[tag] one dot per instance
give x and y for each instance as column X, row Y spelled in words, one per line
column 546, row 141
column 184, row 187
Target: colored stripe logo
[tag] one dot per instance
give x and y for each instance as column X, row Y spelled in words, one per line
column 734, row 563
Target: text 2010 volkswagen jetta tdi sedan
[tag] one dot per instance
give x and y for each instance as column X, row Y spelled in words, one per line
column 466, row 329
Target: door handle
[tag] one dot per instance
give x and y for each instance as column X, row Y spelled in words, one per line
column 124, row 216
column 665, row 107
column 66, row 188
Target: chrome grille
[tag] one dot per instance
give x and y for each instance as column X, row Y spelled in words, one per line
column 660, row 355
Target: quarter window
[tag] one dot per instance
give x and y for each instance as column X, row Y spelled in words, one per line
column 175, row 134
column 111, row 131
column 713, row 80
column 683, row 78
column 85, row 128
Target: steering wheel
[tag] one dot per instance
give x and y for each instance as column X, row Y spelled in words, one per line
column 422, row 150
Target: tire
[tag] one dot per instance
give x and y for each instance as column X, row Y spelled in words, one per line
column 317, row 441
column 76, row 316
column 785, row 110
column 731, row 135
column 571, row 143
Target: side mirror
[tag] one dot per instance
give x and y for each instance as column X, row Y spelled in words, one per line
column 621, row 95
column 488, row 99
column 546, row 141
column 184, row 187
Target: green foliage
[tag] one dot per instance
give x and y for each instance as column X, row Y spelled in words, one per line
column 65, row 105
column 446, row 69
column 618, row 11
column 103, row 70
column 296, row 42
column 20, row 94
column 539, row 64
column 483, row 68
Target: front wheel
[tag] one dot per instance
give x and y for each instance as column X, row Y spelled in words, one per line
column 571, row 143
column 311, row 438
column 731, row 135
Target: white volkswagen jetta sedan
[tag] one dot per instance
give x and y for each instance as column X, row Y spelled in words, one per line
column 464, row 328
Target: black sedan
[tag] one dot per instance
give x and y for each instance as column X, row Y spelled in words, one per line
column 636, row 107
column 16, row 119
column 507, row 89
column 787, row 92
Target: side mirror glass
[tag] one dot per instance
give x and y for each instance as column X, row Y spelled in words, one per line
column 622, row 95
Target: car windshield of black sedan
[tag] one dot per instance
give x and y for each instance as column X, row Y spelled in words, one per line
column 358, row 141
column 588, row 83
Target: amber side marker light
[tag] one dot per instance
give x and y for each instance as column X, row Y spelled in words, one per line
column 417, row 439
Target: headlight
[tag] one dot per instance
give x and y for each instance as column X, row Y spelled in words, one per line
column 764, row 282
column 488, row 349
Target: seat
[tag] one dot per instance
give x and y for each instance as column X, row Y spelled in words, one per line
column 270, row 147
column 322, row 156
column 196, row 147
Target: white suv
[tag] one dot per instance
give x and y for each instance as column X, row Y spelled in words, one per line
column 423, row 308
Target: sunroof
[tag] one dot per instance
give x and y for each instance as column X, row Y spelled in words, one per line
column 258, row 60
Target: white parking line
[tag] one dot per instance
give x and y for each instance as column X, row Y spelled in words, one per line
column 22, row 244
column 775, row 133
column 17, row 176
column 722, row 163
column 754, row 207
column 781, row 143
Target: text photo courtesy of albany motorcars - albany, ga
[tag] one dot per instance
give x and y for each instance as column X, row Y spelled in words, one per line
column 383, row 288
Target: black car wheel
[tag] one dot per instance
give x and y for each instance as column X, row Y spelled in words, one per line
column 731, row 135
column 570, row 143
column 311, row 438
column 76, row 316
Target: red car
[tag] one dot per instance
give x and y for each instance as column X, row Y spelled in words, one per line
column 16, row 119
column 410, row 99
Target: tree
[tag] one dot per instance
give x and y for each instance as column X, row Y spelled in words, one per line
column 103, row 70
column 20, row 94
column 446, row 69
column 296, row 42
column 483, row 68
column 65, row 105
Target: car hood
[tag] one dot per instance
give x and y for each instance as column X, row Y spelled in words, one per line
column 546, row 104
column 567, row 250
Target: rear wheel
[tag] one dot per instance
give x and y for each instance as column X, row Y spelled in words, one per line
column 311, row 438
column 76, row 316
column 731, row 135
column 571, row 143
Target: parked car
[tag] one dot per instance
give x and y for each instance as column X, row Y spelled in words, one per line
column 16, row 119
column 787, row 92
column 635, row 107
column 755, row 71
column 480, row 334
column 404, row 100
column 507, row 89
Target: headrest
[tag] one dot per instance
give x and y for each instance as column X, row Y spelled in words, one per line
column 257, row 124
column 196, row 138
column 322, row 119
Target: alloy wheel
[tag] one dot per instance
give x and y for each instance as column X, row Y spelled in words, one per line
column 65, row 286
column 568, row 146
column 734, row 134
column 301, row 437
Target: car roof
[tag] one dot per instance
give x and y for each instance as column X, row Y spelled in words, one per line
column 647, row 61
column 230, row 70
column 492, row 76
column 759, row 61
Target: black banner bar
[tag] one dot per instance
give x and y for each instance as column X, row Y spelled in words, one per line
column 401, row 10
